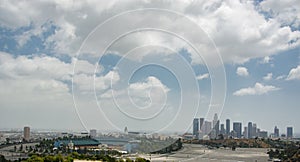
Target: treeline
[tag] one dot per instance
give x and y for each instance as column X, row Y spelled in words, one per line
column 72, row 157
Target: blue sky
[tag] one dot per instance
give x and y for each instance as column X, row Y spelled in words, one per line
column 150, row 66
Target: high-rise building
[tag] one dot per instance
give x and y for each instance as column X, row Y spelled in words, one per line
column 201, row 123
column 216, row 123
column 196, row 127
column 26, row 133
column 250, row 130
column 245, row 133
column 289, row 132
column 237, row 128
column 263, row 134
column 276, row 132
column 207, row 127
column 222, row 131
column 227, row 126
column 126, row 130
column 93, row 133
column 254, row 130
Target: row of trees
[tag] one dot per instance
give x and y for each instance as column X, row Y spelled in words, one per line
column 71, row 157
column 284, row 150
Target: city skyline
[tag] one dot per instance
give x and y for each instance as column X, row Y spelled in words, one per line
column 240, row 129
column 149, row 65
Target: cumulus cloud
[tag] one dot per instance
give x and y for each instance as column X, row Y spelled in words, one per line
column 41, row 74
column 280, row 77
column 74, row 20
column 203, row 76
column 141, row 99
column 294, row 74
column 269, row 76
column 140, row 92
column 266, row 60
column 45, row 67
column 242, row 71
column 285, row 12
column 33, row 81
column 85, row 83
column 258, row 89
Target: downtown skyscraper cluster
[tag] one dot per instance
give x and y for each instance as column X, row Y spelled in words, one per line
column 203, row 129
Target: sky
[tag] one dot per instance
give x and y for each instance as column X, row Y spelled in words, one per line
column 148, row 65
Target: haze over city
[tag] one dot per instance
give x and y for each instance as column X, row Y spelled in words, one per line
column 148, row 65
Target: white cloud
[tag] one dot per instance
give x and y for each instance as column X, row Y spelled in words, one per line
column 45, row 73
column 280, row 77
column 285, row 12
column 140, row 92
column 258, row 89
column 266, row 60
column 294, row 74
column 74, row 20
column 269, row 76
column 140, row 99
column 33, row 81
column 203, row 76
column 45, row 67
column 242, row 71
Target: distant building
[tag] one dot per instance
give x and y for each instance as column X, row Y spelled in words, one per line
column 276, row 132
column 250, row 129
column 245, row 133
column 196, row 127
column 93, row 133
column 187, row 136
column 254, row 130
column 26, row 133
column 213, row 134
column 216, row 125
column 222, row 131
column 289, row 132
column 79, row 143
column 126, row 130
column 233, row 133
column 207, row 127
column 201, row 123
column 263, row 134
column 227, row 126
column 237, row 128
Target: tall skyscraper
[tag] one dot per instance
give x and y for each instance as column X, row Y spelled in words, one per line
column 207, row 127
column 245, row 133
column 216, row 125
column 222, row 131
column 26, row 133
column 196, row 127
column 254, row 130
column 276, row 132
column 215, row 119
column 289, row 132
column 126, row 130
column 237, row 128
column 227, row 126
column 93, row 133
column 249, row 129
column 201, row 123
